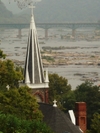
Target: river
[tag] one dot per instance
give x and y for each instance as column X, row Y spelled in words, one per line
column 16, row 49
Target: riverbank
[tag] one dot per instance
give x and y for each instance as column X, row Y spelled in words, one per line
column 77, row 67
column 76, row 61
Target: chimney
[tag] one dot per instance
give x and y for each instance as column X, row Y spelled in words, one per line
column 80, row 113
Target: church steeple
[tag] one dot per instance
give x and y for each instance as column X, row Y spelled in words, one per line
column 33, row 71
column 33, row 65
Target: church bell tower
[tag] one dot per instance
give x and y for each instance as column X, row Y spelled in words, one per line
column 34, row 76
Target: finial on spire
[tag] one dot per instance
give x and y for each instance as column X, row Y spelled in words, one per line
column 31, row 7
column 54, row 105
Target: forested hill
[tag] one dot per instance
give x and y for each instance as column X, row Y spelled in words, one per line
column 67, row 11
column 62, row 11
column 5, row 15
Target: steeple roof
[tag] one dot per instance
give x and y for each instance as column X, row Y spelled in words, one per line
column 33, row 72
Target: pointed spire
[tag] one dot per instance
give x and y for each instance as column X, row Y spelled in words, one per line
column 33, row 72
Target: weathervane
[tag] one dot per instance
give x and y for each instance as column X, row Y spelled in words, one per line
column 24, row 3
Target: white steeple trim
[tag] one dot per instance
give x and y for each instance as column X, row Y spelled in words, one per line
column 33, row 73
column 32, row 24
column 27, row 80
column 46, row 77
column 35, row 86
column 33, row 80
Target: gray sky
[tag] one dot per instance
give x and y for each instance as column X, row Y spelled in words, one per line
column 12, row 6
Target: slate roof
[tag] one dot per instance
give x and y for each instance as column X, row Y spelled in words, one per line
column 57, row 120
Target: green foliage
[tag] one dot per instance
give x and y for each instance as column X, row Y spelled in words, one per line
column 2, row 55
column 86, row 92
column 58, row 88
column 69, row 101
column 20, row 103
column 12, row 124
column 89, row 93
column 95, row 125
column 5, row 15
column 9, row 75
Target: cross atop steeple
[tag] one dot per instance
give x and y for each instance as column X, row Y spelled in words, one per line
column 31, row 7
column 33, row 71
column 33, row 65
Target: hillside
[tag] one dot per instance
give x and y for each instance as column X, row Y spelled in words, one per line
column 59, row 11
column 71, row 10
column 66, row 11
column 5, row 15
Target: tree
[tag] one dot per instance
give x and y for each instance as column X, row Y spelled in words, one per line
column 89, row 93
column 20, row 103
column 20, row 112
column 2, row 55
column 95, row 124
column 58, row 88
column 69, row 101
column 9, row 75
column 11, row 124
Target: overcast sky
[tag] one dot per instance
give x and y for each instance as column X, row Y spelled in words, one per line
column 12, row 6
